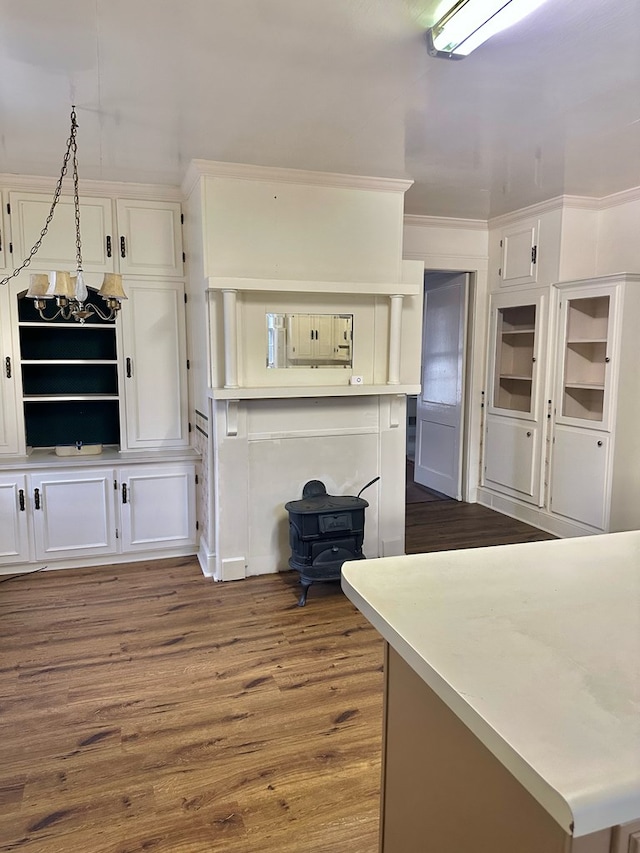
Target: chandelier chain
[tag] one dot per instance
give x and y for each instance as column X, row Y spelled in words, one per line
column 71, row 146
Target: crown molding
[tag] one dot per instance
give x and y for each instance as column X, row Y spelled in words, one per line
column 445, row 222
column 623, row 197
column 115, row 189
column 214, row 169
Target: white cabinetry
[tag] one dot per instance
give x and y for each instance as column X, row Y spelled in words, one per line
column 514, row 435
column 519, row 257
column 9, row 416
column 595, row 451
column 157, row 507
column 14, row 533
column 4, row 235
column 29, row 212
column 92, row 513
column 154, row 363
column 583, row 469
column 73, row 513
column 150, row 237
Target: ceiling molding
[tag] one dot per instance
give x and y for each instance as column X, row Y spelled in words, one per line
column 115, row 189
column 241, row 171
column 445, row 222
column 624, row 197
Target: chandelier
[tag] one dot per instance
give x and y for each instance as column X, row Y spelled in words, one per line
column 69, row 289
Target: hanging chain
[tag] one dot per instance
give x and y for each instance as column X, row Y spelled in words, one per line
column 71, row 146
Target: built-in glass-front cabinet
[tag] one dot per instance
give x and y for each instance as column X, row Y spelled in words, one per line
column 513, row 429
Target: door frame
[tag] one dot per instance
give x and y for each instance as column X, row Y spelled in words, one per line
column 477, row 269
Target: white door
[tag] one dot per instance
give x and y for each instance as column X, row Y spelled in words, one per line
column 14, row 538
column 154, row 352
column 73, row 513
column 579, row 475
column 157, row 507
column 149, row 237
column 10, row 413
column 438, row 462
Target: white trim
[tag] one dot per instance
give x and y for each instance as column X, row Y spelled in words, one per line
column 241, row 171
column 434, row 262
column 110, row 189
column 50, row 564
column 623, row 197
column 368, row 288
column 536, row 516
column 207, row 559
column 419, row 221
column 270, row 392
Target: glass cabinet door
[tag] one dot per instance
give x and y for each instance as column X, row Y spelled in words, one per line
column 586, row 324
column 515, row 343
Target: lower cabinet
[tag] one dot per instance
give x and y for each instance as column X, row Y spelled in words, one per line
column 512, row 457
column 579, row 475
column 157, row 507
column 73, row 513
column 14, row 532
column 65, row 515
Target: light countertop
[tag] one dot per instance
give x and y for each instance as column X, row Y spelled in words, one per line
column 536, row 648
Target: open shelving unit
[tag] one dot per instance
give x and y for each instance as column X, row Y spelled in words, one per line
column 69, row 379
column 515, row 347
column 585, row 357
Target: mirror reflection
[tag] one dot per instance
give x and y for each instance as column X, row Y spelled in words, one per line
column 309, row 340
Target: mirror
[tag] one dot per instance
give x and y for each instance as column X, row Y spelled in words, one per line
column 309, row 340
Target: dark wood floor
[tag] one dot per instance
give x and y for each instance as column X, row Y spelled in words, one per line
column 145, row 708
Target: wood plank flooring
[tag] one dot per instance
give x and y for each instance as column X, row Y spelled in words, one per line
column 146, row 708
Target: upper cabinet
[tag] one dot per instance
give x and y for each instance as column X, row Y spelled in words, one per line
column 146, row 238
column 29, row 212
column 149, row 237
column 519, row 244
column 585, row 352
column 10, row 442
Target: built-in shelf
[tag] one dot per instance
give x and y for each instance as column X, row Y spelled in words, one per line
column 514, row 348
column 59, row 398
column 585, row 357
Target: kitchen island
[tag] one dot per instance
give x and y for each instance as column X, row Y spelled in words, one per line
column 512, row 696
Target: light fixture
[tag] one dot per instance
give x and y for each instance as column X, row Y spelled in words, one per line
column 69, row 289
column 471, row 22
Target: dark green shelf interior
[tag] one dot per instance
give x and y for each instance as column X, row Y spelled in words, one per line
column 69, row 379
column 51, row 342
column 90, row 421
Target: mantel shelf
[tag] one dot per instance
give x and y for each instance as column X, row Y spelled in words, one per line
column 280, row 392
column 369, row 288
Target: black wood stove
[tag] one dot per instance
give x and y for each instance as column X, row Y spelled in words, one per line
column 324, row 532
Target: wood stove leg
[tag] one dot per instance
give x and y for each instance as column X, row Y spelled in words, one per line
column 305, row 589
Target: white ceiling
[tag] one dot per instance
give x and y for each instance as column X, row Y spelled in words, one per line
column 551, row 106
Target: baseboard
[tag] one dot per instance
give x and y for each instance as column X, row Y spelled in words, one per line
column 103, row 560
column 536, row 516
column 207, row 559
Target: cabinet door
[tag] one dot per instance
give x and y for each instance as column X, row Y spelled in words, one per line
column 150, row 237
column 579, row 475
column 154, row 361
column 10, row 414
column 516, row 342
column 519, row 245
column 512, row 461
column 4, row 237
column 14, row 537
column 157, row 507
column 29, row 212
column 73, row 513
column 587, row 353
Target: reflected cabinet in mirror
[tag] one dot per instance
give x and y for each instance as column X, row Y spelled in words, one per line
column 309, row 340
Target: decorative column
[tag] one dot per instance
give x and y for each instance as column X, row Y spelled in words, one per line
column 230, row 321
column 395, row 338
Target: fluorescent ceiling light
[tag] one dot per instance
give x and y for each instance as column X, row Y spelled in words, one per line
column 471, row 22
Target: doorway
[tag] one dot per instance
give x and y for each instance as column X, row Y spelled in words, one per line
column 436, row 417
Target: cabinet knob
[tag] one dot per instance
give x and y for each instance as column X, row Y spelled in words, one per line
column 529, row 433
column 534, row 358
column 607, row 359
column 599, row 444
